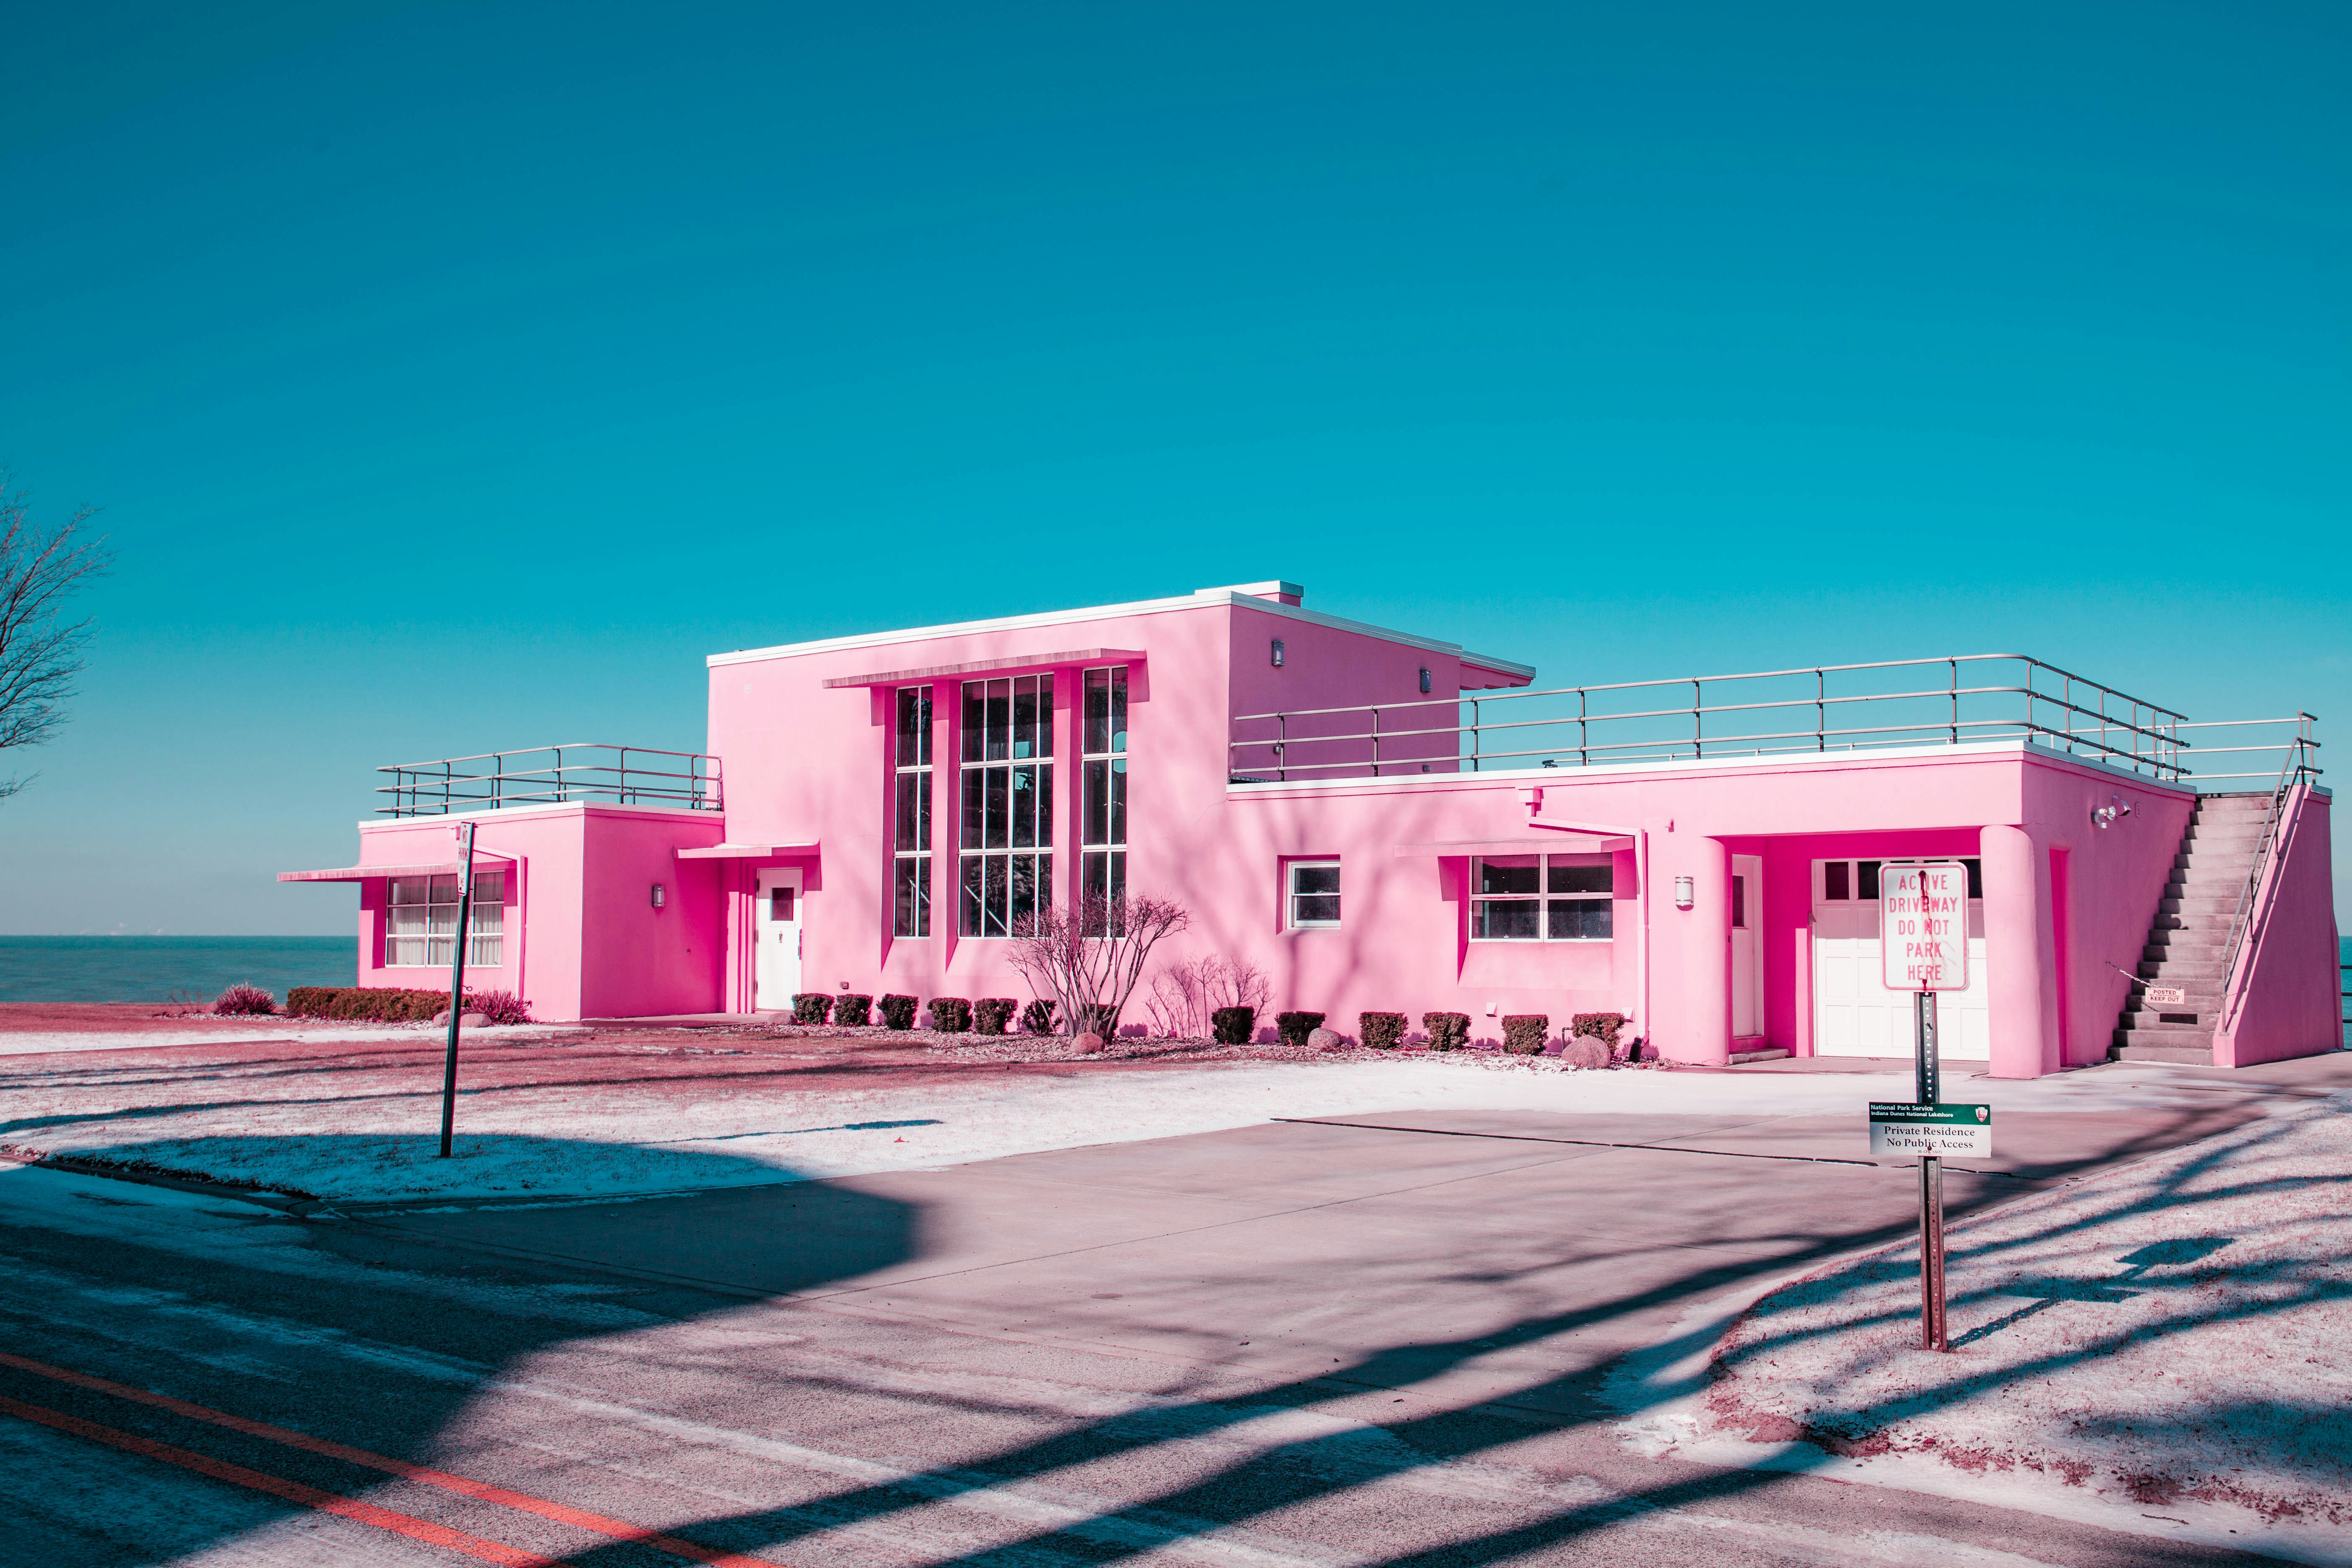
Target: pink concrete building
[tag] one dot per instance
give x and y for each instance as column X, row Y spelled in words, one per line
column 1385, row 821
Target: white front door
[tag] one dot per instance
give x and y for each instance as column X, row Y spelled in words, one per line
column 1854, row 1014
column 1747, row 947
column 778, row 924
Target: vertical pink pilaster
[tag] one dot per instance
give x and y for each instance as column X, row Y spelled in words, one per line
column 2017, row 954
column 1698, row 1021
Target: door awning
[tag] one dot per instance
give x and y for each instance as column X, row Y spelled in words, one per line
column 747, row 851
column 362, row 873
column 1552, row 843
column 993, row 665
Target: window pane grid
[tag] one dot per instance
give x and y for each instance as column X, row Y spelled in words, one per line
column 1313, row 893
column 420, row 927
column 1518, row 898
column 1005, row 802
column 910, row 762
column 1102, row 816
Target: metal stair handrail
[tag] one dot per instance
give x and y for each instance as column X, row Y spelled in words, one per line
column 2294, row 773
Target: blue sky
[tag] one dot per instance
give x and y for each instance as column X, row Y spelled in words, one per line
column 458, row 376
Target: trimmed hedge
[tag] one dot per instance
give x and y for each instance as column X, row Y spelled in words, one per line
column 1294, row 1027
column 950, row 1015
column 1524, row 1033
column 853, row 1010
column 990, row 1014
column 1605, row 1026
column 899, row 1012
column 1380, row 1031
column 1037, row 1018
column 812, row 1007
column 1233, row 1026
column 377, row 1004
column 1447, row 1031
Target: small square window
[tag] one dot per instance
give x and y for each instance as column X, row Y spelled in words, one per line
column 1313, row 893
column 1837, row 886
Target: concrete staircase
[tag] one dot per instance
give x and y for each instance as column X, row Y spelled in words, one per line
column 2189, row 942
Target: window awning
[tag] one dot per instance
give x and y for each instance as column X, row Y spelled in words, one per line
column 991, row 666
column 747, row 851
column 1552, row 843
column 362, row 873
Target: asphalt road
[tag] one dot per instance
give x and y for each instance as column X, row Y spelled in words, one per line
column 1382, row 1343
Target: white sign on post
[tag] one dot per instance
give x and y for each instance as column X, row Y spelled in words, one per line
column 1923, row 926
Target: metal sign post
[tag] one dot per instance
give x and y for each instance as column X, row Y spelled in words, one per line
column 1923, row 938
column 456, row 983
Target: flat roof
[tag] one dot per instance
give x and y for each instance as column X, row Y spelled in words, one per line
column 1245, row 596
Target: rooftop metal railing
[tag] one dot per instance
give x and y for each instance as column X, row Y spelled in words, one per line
column 547, row 776
column 1820, row 708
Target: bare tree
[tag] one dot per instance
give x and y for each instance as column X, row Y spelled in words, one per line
column 1187, row 993
column 1089, row 955
column 40, row 653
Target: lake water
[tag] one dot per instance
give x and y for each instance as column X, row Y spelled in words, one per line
column 168, row 968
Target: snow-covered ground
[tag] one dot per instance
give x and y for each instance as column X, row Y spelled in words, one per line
column 231, row 1032
column 559, row 1120
column 2164, row 1340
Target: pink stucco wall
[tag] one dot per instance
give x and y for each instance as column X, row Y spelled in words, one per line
column 2291, row 1001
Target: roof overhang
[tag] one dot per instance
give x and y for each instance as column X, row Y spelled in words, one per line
column 747, row 851
column 362, row 873
column 991, row 666
column 1554, row 843
column 1480, row 673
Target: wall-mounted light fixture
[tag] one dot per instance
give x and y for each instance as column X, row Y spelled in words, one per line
column 2107, row 816
column 1684, row 894
column 1424, row 681
column 1277, row 653
column 658, row 895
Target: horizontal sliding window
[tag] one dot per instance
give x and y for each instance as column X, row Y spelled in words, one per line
column 1542, row 898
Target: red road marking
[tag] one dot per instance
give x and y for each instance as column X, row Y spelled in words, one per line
column 561, row 1513
column 277, row 1485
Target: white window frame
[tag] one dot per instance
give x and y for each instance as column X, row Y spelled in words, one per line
column 911, row 858
column 1291, row 895
column 1001, row 865
column 422, row 935
column 1543, row 896
column 1104, row 834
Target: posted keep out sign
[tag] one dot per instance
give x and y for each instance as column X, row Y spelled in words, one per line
column 1923, row 929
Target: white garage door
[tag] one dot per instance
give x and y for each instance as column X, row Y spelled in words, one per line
column 1853, row 1015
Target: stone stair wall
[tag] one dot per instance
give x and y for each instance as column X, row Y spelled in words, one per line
column 2188, row 943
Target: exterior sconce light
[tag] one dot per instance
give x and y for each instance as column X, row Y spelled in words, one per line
column 1424, row 682
column 1277, row 653
column 1685, row 895
column 658, row 895
column 2107, row 815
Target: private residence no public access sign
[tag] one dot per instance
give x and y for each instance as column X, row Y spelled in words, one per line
column 1923, row 926
column 1941, row 1131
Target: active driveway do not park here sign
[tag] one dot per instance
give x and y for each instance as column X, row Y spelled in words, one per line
column 1941, row 1131
column 1923, row 926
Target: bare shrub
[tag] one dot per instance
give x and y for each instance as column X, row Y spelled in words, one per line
column 1187, row 995
column 40, row 652
column 1089, row 955
column 242, row 998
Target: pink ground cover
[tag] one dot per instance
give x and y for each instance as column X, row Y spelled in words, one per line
column 2172, row 1333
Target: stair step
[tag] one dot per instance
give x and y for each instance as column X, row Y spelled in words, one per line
column 2182, row 1054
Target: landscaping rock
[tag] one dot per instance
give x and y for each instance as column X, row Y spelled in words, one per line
column 1585, row 1051
column 1325, row 1040
column 473, row 1020
column 1086, row 1045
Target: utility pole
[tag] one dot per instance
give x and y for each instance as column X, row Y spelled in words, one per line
column 458, row 983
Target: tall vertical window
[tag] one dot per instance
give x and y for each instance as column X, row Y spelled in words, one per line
column 910, row 760
column 1103, row 821
column 1006, row 849
column 420, row 927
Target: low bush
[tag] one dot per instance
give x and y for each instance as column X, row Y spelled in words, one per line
column 991, row 1015
column 382, row 1005
column 245, row 999
column 1037, row 1018
column 1233, row 1026
column 1446, row 1031
column 1294, row 1027
column 899, row 1012
column 499, row 1007
column 1603, row 1026
column 950, row 1015
column 853, row 1010
column 1380, row 1031
column 812, row 1007
column 1524, row 1033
